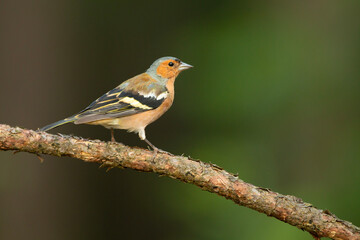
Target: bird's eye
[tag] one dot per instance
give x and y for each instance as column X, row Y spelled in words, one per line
column 171, row 64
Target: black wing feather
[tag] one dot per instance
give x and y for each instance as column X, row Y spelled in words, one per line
column 112, row 105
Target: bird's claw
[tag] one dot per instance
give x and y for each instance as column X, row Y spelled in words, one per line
column 158, row 150
column 162, row 151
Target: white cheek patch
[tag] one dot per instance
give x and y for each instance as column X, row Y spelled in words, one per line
column 135, row 103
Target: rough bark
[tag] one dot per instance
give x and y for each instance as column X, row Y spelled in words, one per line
column 209, row 177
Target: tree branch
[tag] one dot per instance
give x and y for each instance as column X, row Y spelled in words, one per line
column 209, row 177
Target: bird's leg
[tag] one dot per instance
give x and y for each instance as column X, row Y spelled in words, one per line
column 153, row 147
column 156, row 150
column 112, row 135
column 113, row 138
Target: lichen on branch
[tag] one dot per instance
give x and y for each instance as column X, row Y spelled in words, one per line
column 289, row 209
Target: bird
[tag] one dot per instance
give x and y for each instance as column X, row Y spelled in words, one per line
column 135, row 103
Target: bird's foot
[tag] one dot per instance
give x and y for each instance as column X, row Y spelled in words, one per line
column 117, row 142
column 162, row 151
column 158, row 150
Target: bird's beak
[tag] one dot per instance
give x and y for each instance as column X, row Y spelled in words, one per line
column 183, row 66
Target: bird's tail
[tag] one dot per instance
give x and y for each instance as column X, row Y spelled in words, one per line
column 58, row 123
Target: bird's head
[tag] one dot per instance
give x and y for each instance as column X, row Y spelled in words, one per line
column 167, row 67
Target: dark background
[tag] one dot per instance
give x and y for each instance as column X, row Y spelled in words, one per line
column 274, row 96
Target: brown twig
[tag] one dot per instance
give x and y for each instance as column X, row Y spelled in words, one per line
column 209, row 177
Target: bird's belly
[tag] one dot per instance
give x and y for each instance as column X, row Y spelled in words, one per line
column 138, row 121
column 132, row 123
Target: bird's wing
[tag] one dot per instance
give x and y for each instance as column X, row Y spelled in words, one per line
column 136, row 95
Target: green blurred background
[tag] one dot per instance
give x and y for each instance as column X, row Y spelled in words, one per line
column 274, row 96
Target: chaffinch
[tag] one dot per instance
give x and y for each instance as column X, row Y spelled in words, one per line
column 135, row 103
